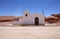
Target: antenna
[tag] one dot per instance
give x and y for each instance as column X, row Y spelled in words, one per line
column 43, row 13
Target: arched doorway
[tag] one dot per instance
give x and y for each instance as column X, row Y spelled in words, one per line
column 36, row 21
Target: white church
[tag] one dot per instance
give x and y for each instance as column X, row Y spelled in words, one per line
column 34, row 19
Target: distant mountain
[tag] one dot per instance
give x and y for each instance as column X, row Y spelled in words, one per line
column 54, row 18
column 8, row 18
column 56, row 15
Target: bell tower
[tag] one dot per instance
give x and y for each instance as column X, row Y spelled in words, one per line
column 26, row 13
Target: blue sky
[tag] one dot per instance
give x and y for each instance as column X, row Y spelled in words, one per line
column 17, row 7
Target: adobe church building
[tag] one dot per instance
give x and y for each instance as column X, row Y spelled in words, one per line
column 34, row 19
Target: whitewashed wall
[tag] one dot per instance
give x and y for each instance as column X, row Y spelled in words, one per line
column 31, row 19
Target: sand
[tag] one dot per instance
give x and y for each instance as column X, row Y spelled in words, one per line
column 30, row 32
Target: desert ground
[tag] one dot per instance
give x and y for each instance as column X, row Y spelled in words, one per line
column 36, row 32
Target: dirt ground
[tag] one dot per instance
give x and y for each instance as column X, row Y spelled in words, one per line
column 30, row 32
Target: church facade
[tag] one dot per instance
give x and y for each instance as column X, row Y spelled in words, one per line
column 35, row 19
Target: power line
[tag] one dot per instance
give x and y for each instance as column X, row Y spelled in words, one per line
column 51, row 5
